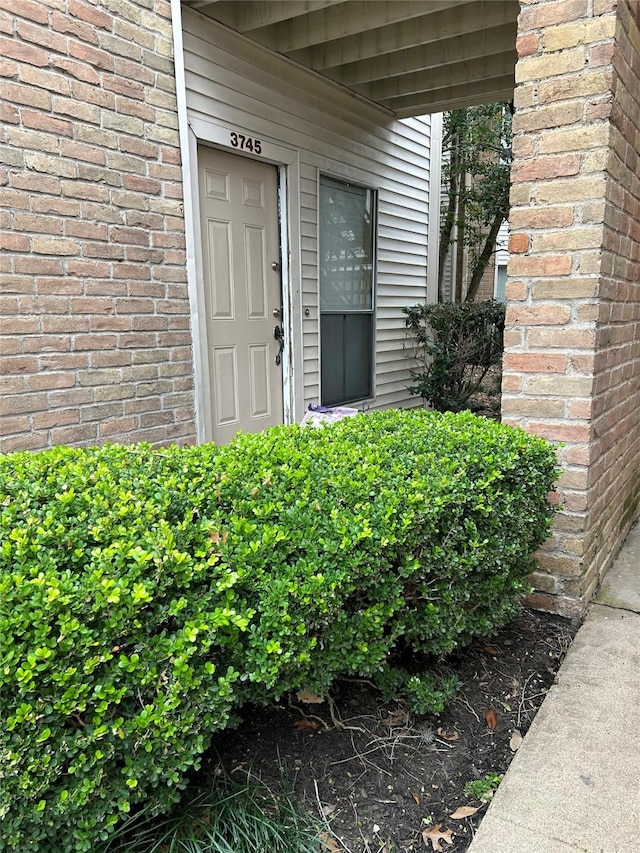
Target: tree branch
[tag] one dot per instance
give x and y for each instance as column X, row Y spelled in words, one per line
column 481, row 264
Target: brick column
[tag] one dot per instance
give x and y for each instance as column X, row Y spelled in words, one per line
column 95, row 339
column 572, row 343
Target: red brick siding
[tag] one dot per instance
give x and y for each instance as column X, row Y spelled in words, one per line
column 615, row 472
column 95, row 339
column 572, row 358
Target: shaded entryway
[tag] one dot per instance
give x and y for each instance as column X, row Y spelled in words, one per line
column 572, row 360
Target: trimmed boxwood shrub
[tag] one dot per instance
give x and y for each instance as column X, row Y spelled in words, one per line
column 148, row 594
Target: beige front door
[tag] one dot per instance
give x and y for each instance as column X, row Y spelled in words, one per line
column 239, row 219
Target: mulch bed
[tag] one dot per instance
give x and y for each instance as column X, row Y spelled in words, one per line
column 377, row 776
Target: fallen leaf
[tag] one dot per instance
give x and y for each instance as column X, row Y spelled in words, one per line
column 450, row 736
column 464, row 811
column 329, row 843
column 396, row 718
column 436, row 837
column 491, row 719
column 301, row 725
column 416, row 798
column 516, row 740
column 326, row 810
column 309, row 698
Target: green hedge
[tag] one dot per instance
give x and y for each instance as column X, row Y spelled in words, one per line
column 147, row 594
column 456, row 347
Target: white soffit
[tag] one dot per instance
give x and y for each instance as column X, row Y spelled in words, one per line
column 410, row 56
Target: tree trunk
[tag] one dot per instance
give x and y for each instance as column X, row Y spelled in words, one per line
column 460, row 247
column 483, row 260
column 449, row 219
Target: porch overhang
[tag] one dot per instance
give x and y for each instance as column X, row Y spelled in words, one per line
column 411, row 57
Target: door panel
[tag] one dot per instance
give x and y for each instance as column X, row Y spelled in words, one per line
column 225, row 385
column 220, row 270
column 256, row 275
column 239, row 215
column 259, row 357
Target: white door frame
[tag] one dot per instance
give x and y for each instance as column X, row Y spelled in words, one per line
column 194, row 130
column 218, row 134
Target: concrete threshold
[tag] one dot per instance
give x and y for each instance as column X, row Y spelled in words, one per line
column 574, row 784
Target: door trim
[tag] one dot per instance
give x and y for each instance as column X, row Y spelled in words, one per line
column 217, row 135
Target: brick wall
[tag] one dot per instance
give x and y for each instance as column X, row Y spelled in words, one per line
column 95, row 337
column 615, row 472
column 571, row 366
column 487, row 284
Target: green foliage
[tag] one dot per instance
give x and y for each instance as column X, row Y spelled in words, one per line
column 483, row 789
column 428, row 695
column 148, row 594
column 113, row 619
column 423, row 692
column 476, row 175
column 223, row 817
column 455, row 346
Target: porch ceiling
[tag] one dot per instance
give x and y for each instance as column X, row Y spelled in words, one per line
column 410, row 56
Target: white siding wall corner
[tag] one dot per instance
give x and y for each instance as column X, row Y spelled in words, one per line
column 319, row 127
column 502, row 243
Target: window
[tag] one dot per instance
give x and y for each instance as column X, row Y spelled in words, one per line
column 346, row 226
column 501, row 281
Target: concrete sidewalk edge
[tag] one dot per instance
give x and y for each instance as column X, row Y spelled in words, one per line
column 574, row 784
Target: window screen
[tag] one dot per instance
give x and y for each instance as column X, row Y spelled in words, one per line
column 346, row 224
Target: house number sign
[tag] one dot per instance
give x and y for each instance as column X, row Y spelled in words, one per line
column 246, row 143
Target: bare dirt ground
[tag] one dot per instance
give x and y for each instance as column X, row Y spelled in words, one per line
column 382, row 779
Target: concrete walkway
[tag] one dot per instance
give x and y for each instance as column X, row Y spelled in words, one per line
column 574, row 784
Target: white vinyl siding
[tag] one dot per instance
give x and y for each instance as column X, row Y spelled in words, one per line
column 501, row 259
column 244, row 86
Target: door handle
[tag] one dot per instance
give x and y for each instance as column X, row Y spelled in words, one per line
column 279, row 336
